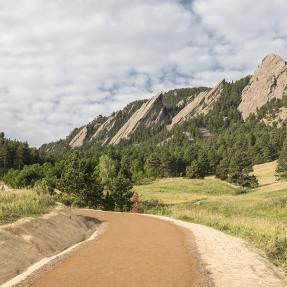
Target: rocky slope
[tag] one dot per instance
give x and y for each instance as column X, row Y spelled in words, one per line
column 150, row 113
column 269, row 81
column 79, row 138
column 105, row 127
column 277, row 118
column 200, row 104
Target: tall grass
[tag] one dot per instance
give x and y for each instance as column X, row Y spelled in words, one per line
column 259, row 217
column 23, row 203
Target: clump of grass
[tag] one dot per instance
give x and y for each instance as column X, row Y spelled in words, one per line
column 259, row 217
column 18, row 204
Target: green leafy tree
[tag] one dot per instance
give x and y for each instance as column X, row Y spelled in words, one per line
column 78, row 179
column 248, row 181
column 137, row 170
column 121, row 194
column 107, row 171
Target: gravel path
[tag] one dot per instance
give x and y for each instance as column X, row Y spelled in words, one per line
column 133, row 251
column 230, row 263
column 146, row 250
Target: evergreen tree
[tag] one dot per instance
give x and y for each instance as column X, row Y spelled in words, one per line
column 193, row 171
column 152, row 166
column 78, row 179
column 222, row 169
column 121, row 194
column 281, row 170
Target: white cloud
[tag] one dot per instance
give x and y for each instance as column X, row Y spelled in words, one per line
column 63, row 62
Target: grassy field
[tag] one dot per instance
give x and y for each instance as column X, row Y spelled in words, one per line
column 259, row 217
column 23, row 203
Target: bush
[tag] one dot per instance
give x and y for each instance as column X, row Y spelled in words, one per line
column 46, row 184
column 68, row 199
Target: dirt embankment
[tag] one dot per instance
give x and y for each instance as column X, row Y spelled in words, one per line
column 28, row 241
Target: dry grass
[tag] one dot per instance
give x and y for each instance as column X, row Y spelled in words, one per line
column 260, row 217
column 23, row 203
column 265, row 173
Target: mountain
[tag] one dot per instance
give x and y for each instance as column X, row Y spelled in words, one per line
column 160, row 117
column 149, row 114
column 200, row 104
column 269, row 81
column 154, row 114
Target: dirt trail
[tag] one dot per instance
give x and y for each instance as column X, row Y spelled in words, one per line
column 133, row 251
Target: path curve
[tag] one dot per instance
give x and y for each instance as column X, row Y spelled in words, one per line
column 228, row 260
column 134, row 251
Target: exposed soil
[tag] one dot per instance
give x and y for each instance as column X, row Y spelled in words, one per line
column 28, row 241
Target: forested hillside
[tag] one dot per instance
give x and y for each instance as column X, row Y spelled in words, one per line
column 15, row 154
column 97, row 164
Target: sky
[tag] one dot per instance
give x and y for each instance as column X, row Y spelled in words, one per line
column 64, row 62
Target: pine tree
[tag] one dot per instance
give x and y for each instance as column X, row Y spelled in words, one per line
column 152, row 166
column 222, row 169
column 281, row 171
column 121, row 194
column 193, row 170
column 78, row 179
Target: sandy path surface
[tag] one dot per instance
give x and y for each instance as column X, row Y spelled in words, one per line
column 133, row 251
column 229, row 262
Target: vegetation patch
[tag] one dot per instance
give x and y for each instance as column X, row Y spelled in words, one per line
column 259, row 217
column 23, row 203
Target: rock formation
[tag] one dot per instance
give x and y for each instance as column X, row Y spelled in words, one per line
column 79, row 138
column 205, row 133
column 269, row 81
column 276, row 118
column 106, row 126
column 200, row 104
column 146, row 115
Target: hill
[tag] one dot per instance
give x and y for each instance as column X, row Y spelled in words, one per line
column 258, row 217
column 160, row 114
column 194, row 132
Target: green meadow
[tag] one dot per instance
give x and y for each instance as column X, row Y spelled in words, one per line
column 258, row 216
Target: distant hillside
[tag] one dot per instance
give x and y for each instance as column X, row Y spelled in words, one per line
column 153, row 115
column 186, row 111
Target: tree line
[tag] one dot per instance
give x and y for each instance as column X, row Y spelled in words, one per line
column 102, row 176
column 84, row 180
column 15, row 154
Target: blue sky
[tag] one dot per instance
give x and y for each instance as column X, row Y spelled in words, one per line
column 63, row 62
